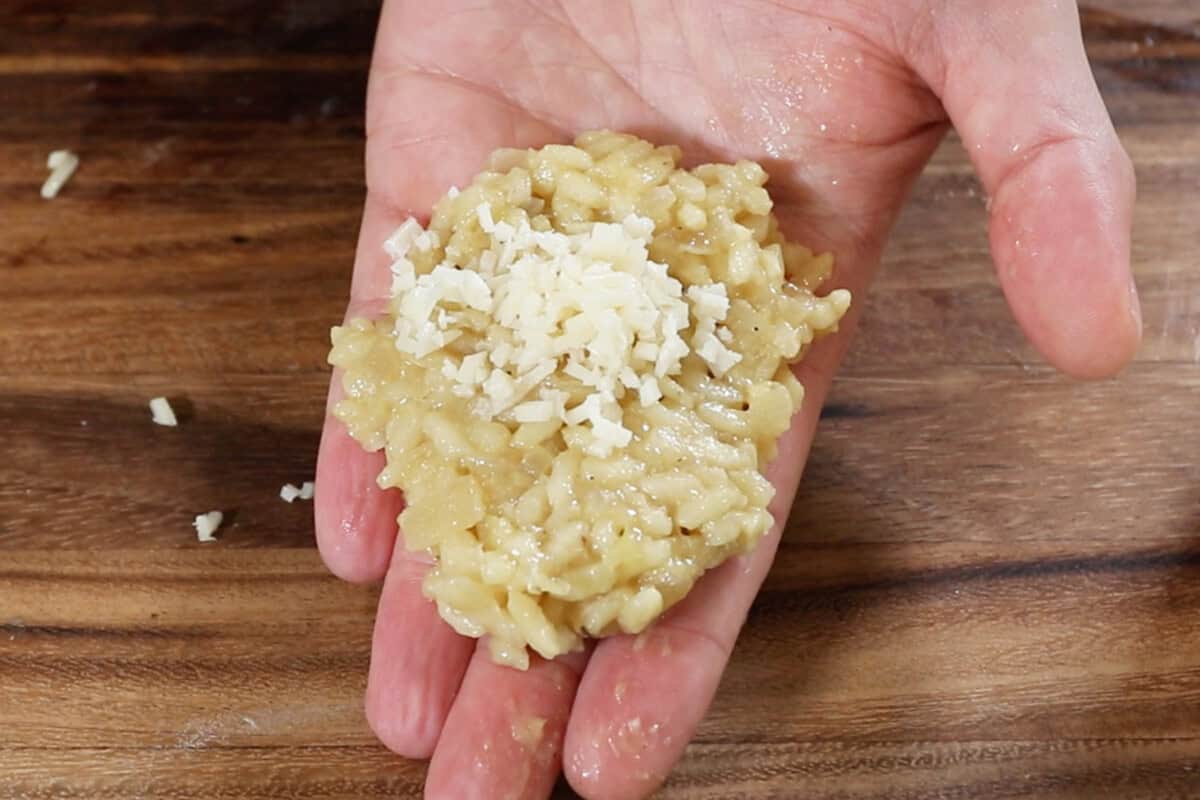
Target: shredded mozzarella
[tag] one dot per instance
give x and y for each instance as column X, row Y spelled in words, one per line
column 592, row 306
column 162, row 413
column 62, row 165
column 206, row 525
column 290, row 493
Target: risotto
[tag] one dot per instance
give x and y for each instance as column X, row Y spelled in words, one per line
column 582, row 374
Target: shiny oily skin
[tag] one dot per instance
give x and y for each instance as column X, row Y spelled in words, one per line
column 539, row 543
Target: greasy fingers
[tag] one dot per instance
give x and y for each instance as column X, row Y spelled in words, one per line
column 417, row 662
column 355, row 520
column 642, row 697
column 503, row 738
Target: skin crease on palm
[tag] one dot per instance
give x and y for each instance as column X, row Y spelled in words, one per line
column 843, row 102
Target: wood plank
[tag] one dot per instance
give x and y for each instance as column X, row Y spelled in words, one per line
column 199, row 105
column 914, row 641
column 989, row 455
column 1179, row 15
column 171, row 649
column 206, row 771
column 1076, row 770
column 1025, row 647
column 118, row 479
column 177, row 27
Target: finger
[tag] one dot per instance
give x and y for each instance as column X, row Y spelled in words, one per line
column 417, row 662
column 503, row 738
column 641, row 698
column 1016, row 83
column 354, row 519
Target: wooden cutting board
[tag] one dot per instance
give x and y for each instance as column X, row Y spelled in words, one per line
column 990, row 586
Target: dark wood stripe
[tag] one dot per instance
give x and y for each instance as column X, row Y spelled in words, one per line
column 1175, row 562
column 21, row 632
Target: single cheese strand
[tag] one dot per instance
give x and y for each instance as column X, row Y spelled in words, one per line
column 161, row 412
column 62, row 165
column 206, row 525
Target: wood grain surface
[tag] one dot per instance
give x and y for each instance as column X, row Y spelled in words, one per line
column 989, row 588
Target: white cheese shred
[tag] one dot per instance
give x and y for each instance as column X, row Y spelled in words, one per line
column 62, row 165
column 162, row 413
column 206, row 525
column 289, row 493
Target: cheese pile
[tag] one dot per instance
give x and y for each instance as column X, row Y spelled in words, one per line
column 592, row 305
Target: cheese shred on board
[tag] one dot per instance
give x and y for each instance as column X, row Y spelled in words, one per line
column 161, row 412
column 206, row 525
column 582, row 375
column 62, row 165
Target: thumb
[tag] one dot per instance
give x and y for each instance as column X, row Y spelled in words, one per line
column 1015, row 80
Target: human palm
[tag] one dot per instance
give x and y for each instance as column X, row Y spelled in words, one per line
column 842, row 102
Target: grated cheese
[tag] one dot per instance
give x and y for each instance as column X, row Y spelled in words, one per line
column 289, row 493
column 62, row 165
column 649, row 392
column 162, row 413
column 592, row 306
column 206, row 525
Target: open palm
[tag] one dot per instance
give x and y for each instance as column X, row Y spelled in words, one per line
column 842, row 102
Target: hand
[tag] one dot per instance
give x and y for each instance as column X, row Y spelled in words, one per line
column 843, row 102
